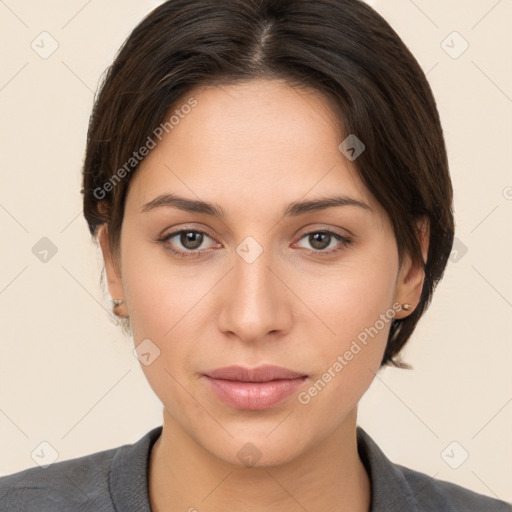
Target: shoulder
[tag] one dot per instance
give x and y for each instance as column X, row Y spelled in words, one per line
column 434, row 494
column 396, row 488
column 106, row 481
column 63, row 486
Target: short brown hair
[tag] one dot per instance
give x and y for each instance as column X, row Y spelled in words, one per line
column 341, row 48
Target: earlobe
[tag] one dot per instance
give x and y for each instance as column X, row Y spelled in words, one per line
column 412, row 275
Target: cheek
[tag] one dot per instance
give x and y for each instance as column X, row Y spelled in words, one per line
column 160, row 314
column 164, row 308
column 345, row 366
column 350, row 319
column 349, row 300
column 152, row 290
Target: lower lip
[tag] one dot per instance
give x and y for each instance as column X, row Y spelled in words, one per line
column 254, row 395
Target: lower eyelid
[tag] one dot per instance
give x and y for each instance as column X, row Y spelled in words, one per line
column 343, row 241
column 170, row 236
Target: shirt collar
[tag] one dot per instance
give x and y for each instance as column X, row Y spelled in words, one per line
column 128, row 478
column 390, row 491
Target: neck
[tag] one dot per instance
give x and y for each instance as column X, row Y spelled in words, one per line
column 328, row 476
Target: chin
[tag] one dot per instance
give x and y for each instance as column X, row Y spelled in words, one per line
column 256, row 448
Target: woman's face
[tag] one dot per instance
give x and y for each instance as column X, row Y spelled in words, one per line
column 260, row 284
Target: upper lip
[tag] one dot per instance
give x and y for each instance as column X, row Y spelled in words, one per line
column 263, row 373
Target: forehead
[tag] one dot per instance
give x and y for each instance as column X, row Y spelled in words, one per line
column 256, row 141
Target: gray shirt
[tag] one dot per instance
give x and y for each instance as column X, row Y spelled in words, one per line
column 116, row 480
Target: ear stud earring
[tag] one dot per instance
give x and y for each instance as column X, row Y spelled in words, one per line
column 116, row 303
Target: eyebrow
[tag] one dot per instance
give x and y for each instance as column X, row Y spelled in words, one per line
column 292, row 210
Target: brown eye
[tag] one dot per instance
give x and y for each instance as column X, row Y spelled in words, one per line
column 321, row 240
column 191, row 239
column 186, row 243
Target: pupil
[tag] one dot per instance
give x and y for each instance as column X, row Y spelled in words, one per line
column 194, row 238
column 322, row 244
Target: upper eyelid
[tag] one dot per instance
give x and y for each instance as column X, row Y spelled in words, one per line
column 172, row 234
column 187, row 229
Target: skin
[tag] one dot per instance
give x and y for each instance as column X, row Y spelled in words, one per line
column 254, row 149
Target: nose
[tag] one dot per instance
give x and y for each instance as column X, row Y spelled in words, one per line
column 255, row 300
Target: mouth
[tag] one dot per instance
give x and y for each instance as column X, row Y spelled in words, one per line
column 254, row 389
column 265, row 373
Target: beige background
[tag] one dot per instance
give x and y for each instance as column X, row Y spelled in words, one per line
column 67, row 374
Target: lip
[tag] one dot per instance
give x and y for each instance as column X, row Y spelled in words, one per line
column 254, row 388
column 262, row 373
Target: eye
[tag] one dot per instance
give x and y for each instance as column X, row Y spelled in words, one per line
column 190, row 239
column 322, row 239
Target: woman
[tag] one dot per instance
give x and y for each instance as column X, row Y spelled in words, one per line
column 269, row 186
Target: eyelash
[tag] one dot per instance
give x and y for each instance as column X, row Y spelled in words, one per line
column 344, row 242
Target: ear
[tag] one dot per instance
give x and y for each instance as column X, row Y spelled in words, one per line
column 411, row 276
column 112, row 267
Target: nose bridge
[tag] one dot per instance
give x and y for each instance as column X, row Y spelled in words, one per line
column 255, row 303
column 253, row 275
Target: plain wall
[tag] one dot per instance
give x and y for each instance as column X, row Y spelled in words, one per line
column 68, row 375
